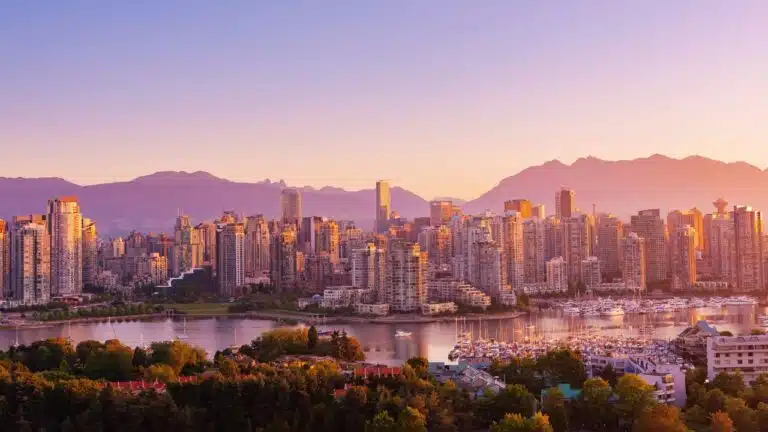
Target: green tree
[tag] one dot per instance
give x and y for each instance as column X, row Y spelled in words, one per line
column 312, row 338
column 554, row 407
column 696, row 418
column 732, row 384
column 176, row 354
column 744, row 418
column 382, row 422
column 140, row 357
column 112, row 363
column 660, row 418
column 411, row 420
column 594, row 408
column 510, row 423
column 160, row 372
column 609, row 374
column 229, row 368
column 633, row 397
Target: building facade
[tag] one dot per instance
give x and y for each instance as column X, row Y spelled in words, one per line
column 31, row 271
column 383, row 206
column 65, row 225
column 230, row 263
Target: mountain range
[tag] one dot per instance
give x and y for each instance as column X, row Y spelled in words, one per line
column 151, row 203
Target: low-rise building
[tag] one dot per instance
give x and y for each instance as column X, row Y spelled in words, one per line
column 710, row 285
column 449, row 290
column 691, row 343
column 439, row 308
column 375, row 309
column 345, row 296
column 508, row 298
column 747, row 354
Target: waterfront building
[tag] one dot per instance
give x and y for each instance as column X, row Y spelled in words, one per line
column 440, row 212
column 649, row 225
column 451, row 290
column 369, row 269
column 565, row 203
column 590, row 272
column 406, row 277
column 383, row 206
column 290, row 206
column 257, row 242
column 691, row 343
column 337, row 297
column 373, row 309
column 579, row 242
column 31, row 264
column 534, row 261
column 430, row 309
column 90, row 252
column 633, row 265
column 748, row 259
column 512, row 241
column 610, row 230
column 557, row 275
column 65, row 226
column 521, row 206
column 230, row 262
column 684, row 257
column 745, row 354
column 5, row 259
column 284, row 257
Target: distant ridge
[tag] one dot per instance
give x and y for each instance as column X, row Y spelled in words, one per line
column 150, row 203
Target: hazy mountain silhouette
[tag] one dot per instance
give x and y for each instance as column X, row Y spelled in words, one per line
column 623, row 187
column 150, row 203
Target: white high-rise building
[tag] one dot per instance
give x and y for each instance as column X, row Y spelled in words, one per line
column 633, row 265
column 257, row 243
column 230, row 266
column 369, row 269
column 590, row 272
column 65, row 225
column 533, row 248
column 514, row 256
column 31, row 269
column 557, row 275
column 406, row 277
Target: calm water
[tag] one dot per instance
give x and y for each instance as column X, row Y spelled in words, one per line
column 433, row 340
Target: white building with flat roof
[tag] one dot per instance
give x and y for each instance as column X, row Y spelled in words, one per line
column 747, row 354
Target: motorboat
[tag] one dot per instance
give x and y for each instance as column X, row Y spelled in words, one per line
column 403, row 334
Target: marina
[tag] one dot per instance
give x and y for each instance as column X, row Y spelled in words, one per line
column 606, row 306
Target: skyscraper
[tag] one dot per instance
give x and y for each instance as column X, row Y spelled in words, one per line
column 309, row 232
column 383, row 204
column 554, row 242
column 440, row 212
column 684, row 257
column 369, row 269
column 522, row 206
column 290, row 205
column 590, row 272
column 557, row 275
column 187, row 250
column 609, row 232
column 512, row 239
column 489, row 270
column 31, row 270
column 328, row 241
column 90, row 252
column 65, row 226
column 538, row 211
column 406, row 277
column 284, row 268
column 578, row 242
column 533, row 250
column 257, row 239
column 436, row 241
column 5, row 259
column 720, row 245
column 565, row 203
column 748, row 259
column 207, row 234
column 649, row 225
column 633, row 265
column 230, row 262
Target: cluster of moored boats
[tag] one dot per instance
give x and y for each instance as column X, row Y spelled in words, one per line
column 614, row 307
column 589, row 346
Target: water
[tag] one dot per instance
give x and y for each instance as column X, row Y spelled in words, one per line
column 433, row 341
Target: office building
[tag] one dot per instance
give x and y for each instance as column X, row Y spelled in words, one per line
column 90, row 252
column 748, row 264
column 284, row 259
column 649, row 225
column 257, row 240
column 610, row 230
column 290, row 206
column 31, row 264
column 230, row 262
column 565, row 203
column 692, row 217
column 521, row 206
column 534, row 262
column 65, row 226
column 684, row 257
column 633, row 265
column 383, row 206
column 590, row 272
column 309, row 233
column 406, row 277
column 440, row 212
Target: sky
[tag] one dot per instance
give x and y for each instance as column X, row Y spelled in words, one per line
column 442, row 97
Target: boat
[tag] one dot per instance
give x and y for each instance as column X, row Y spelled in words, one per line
column 403, row 334
column 183, row 335
column 613, row 311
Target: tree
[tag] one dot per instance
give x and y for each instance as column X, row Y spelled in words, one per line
column 139, row 357
column 510, row 423
column 726, row 333
column 114, row 362
column 229, row 368
column 539, row 423
column 721, row 422
column 312, row 338
column 696, row 418
column 660, row 418
column 554, row 407
column 634, row 396
column 609, row 374
column 383, row 422
column 411, row 420
column 594, row 408
column 730, row 384
column 176, row 354
column 744, row 418
column 160, row 372
column 714, row 401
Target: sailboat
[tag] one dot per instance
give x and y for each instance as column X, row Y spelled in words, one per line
column 183, row 335
column 16, row 343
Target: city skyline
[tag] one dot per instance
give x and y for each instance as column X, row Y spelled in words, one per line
column 308, row 94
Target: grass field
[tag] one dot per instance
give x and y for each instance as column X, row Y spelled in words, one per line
column 193, row 309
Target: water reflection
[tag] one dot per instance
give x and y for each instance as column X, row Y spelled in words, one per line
column 434, row 340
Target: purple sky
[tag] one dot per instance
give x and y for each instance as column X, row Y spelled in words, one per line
column 442, row 97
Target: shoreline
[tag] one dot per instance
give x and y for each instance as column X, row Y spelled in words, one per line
column 275, row 315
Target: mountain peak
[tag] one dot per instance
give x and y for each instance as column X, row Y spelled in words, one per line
column 163, row 176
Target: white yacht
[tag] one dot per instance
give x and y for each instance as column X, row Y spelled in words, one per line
column 403, row 334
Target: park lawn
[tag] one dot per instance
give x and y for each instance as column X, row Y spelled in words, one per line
column 193, row 309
